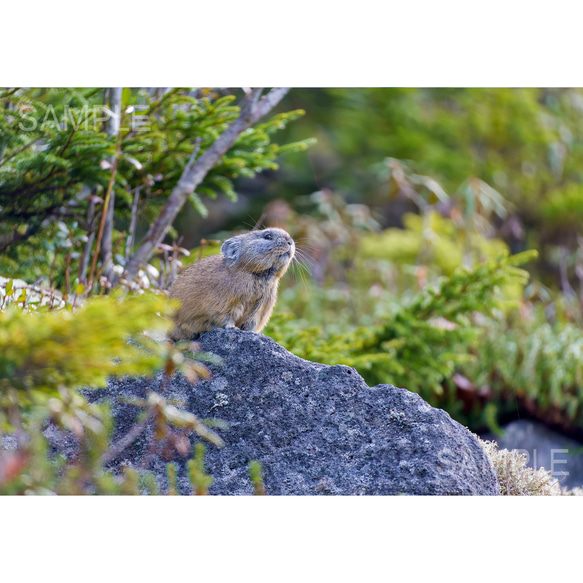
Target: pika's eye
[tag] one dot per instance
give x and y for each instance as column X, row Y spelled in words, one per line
column 268, row 236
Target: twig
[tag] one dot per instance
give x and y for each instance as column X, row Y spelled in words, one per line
column 75, row 129
column 195, row 152
column 112, row 129
column 52, row 271
column 84, row 263
column 68, row 269
column 133, row 222
column 103, row 217
column 127, row 439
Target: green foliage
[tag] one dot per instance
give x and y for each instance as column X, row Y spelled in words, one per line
column 197, row 475
column 420, row 344
column 564, row 206
column 525, row 143
column 46, row 355
column 36, row 350
column 431, row 240
column 528, row 361
column 56, row 158
column 413, row 283
column 171, row 475
column 510, row 138
column 452, row 341
column 506, row 360
column 57, row 162
column 256, row 475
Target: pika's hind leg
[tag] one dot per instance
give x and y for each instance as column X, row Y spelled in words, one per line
column 228, row 323
column 230, row 320
column 250, row 325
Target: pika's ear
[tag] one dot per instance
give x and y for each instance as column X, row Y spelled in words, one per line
column 231, row 249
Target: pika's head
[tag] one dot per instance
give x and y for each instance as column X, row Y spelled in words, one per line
column 268, row 251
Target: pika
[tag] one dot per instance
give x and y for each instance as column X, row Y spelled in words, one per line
column 235, row 289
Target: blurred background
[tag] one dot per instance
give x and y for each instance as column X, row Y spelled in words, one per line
column 408, row 207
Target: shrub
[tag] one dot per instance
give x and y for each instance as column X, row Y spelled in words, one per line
column 47, row 355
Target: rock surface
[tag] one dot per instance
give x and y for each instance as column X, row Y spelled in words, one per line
column 316, row 429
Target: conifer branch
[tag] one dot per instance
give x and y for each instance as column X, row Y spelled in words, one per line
column 19, row 151
column 253, row 108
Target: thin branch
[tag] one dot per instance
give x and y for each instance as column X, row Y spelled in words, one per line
column 253, row 108
column 268, row 102
column 104, row 214
column 127, row 439
column 72, row 134
column 134, row 222
column 112, row 129
column 195, row 152
column 84, row 263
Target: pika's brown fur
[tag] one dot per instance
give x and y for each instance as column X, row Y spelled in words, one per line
column 235, row 289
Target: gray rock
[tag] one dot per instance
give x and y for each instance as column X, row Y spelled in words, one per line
column 545, row 448
column 316, row 429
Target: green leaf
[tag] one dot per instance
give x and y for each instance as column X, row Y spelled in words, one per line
column 126, row 95
column 198, row 205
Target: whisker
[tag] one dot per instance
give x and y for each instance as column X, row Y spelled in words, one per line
column 305, row 257
column 259, row 222
column 301, row 266
column 301, row 239
column 300, row 273
column 303, row 247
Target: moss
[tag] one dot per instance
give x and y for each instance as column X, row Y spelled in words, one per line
column 516, row 478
